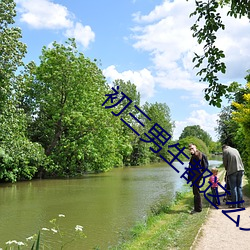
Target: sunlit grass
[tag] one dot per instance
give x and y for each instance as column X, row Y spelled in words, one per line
column 169, row 226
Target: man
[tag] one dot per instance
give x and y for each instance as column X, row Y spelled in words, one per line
column 235, row 170
column 198, row 164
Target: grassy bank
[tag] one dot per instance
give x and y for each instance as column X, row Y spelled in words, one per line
column 167, row 227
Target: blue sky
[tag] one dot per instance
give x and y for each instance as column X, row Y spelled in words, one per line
column 148, row 42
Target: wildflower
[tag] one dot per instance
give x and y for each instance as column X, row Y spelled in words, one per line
column 78, row 228
column 10, row 242
column 61, row 215
column 20, row 243
column 29, row 238
column 54, row 230
column 45, row 229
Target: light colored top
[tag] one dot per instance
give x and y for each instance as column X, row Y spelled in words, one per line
column 232, row 160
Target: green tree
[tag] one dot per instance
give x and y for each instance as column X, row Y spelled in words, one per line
column 207, row 25
column 215, row 147
column 66, row 93
column 159, row 113
column 19, row 158
column 128, row 138
column 227, row 127
column 12, row 50
column 241, row 116
column 184, row 142
column 196, row 131
column 230, row 130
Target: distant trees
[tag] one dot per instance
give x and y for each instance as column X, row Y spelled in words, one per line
column 184, row 142
column 227, row 127
column 159, row 113
column 142, row 119
column 196, row 131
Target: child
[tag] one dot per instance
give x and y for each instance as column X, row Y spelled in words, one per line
column 214, row 180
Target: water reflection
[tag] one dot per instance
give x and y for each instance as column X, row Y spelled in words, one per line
column 105, row 204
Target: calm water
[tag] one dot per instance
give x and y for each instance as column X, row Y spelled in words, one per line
column 104, row 204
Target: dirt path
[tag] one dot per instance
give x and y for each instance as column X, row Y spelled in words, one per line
column 219, row 232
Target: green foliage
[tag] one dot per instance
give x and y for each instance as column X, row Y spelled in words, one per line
column 66, row 92
column 131, row 147
column 205, row 28
column 52, row 121
column 237, row 8
column 233, row 123
column 159, row 113
column 12, row 50
column 227, row 127
column 169, row 226
column 201, row 146
column 36, row 243
column 20, row 158
column 241, row 115
column 196, row 131
column 215, row 147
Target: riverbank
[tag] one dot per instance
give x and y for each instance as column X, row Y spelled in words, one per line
column 172, row 227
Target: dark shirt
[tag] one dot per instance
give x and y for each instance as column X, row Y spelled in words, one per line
column 198, row 162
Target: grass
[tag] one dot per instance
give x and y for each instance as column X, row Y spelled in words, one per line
column 168, row 227
column 246, row 187
column 171, row 226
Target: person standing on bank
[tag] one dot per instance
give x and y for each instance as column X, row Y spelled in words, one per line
column 235, row 170
column 197, row 156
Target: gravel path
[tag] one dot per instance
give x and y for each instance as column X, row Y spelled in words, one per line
column 219, row 232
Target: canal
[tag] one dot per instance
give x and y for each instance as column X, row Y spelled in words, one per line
column 105, row 204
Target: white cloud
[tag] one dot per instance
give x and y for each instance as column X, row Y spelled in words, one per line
column 44, row 14
column 83, row 34
column 143, row 79
column 198, row 117
column 159, row 12
column 235, row 40
column 165, row 33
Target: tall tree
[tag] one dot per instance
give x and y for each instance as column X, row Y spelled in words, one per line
column 207, row 25
column 227, row 127
column 128, row 138
column 184, row 142
column 161, row 125
column 241, row 115
column 12, row 51
column 66, row 92
column 196, row 131
column 19, row 158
